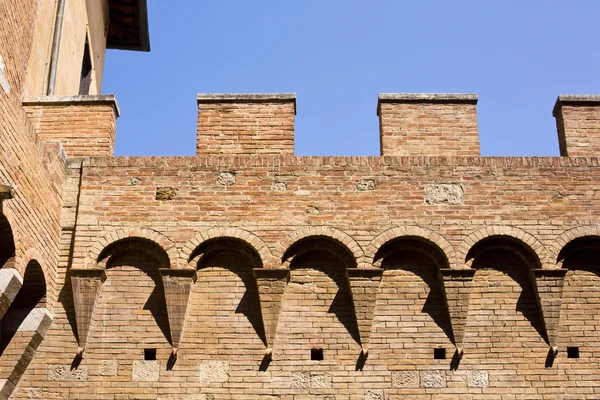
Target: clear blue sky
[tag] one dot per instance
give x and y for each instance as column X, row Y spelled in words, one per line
column 338, row 55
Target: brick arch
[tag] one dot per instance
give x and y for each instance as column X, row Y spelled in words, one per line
column 8, row 240
column 413, row 231
column 567, row 237
column 31, row 255
column 321, row 231
column 510, row 232
column 143, row 233
column 244, row 236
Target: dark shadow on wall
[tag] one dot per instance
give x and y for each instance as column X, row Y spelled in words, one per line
column 65, row 297
column 518, row 270
column 423, row 267
column 31, row 295
column 7, row 244
column 156, row 303
column 157, row 306
column 582, row 254
column 341, row 305
column 241, row 265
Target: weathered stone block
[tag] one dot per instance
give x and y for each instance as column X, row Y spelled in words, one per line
column 279, row 186
column 214, row 371
column 226, row 178
column 451, row 194
column 405, row 379
column 374, row 394
column 300, row 380
column 165, row 193
column 320, row 381
column 64, row 373
column 109, row 367
column 365, row 184
column 477, row 379
column 433, row 379
column 145, row 371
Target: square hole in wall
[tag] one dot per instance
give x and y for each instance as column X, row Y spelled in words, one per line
column 573, row 352
column 316, row 354
column 149, row 354
column 439, row 354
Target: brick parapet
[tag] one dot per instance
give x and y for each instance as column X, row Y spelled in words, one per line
column 85, row 125
column 246, row 123
column 428, row 124
column 578, row 124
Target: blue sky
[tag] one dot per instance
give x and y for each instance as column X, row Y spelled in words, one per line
column 338, row 55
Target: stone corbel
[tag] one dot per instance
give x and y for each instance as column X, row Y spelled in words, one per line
column 364, row 285
column 10, row 284
column 548, row 287
column 271, row 283
column 456, row 287
column 177, row 284
column 6, row 192
column 86, row 285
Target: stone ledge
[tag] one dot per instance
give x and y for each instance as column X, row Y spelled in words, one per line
column 575, row 100
column 246, row 98
column 448, row 98
column 100, row 99
column 243, row 162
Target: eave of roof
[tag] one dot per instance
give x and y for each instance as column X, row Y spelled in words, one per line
column 128, row 25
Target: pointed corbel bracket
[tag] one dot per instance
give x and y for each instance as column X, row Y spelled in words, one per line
column 364, row 286
column 548, row 287
column 456, row 286
column 177, row 285
column 271, row 283
column 86, row 285
column 6, row 192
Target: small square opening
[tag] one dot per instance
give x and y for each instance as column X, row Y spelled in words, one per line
column 316, row 354
column 149, row 354
column 573, row 352
column 439, row 354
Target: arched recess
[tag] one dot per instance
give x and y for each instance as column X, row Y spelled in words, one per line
column 350, row 247
column 224, row 308
column 572, row 240
column 7, row 243
column 416, row 232
column 412, row 278
column 129, row 290
column 521, row 238
column 517, row 309
column 24, row 326
column 580, row 313
column 247, row 240
column 161, row 244
column 318, row 310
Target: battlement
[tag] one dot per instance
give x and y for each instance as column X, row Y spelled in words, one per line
column 417, row 124
column 578, row 124
column 428, row 124
column 246, row 123
column 85, row 125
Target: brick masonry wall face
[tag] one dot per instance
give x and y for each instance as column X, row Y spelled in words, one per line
column 246, row 128
column 84, row 130
column 221, row 353
column 425, row 129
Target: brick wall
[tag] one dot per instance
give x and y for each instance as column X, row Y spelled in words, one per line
column 246, row 124
column 85, row 125
column 368, row 200
column 578, row 124
column 428, row 124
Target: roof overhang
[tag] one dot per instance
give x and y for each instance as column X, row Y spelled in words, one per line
column 128, row 25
